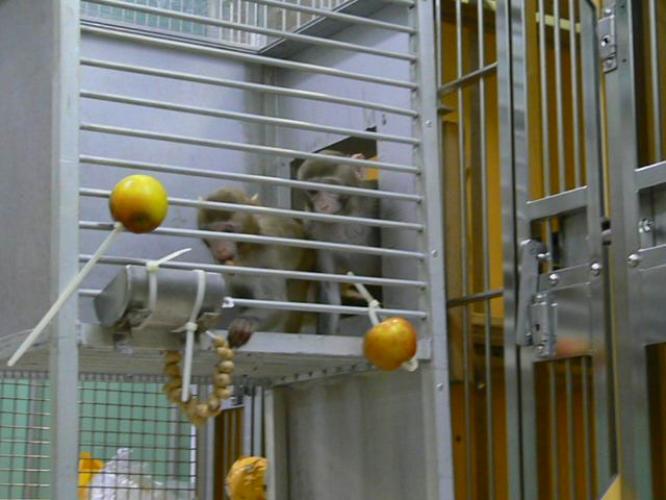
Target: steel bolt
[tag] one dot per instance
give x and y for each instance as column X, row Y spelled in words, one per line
column 595, row 269
column 540, row 348
column 553, row 279
column 634, row 259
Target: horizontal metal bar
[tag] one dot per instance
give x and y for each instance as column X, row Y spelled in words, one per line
column 247, row 117
column 264, row 240
column 651, row 176
column 238, row 146
column 261, row 272
column 325, row 308
column 477, row 297
column 296, row 214
column 251, row 86
column 301, row 306
column 465, row 80
column 339, row 16
column 258, row 179
column 287, row 35
column 557, row 204
column 245, row 57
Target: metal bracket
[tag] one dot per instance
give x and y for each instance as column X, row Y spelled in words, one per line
column 607, row 40
column 530, row 251
column 535, row 324
column 543, row 325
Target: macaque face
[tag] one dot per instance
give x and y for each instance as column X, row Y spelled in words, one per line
column 224, row 251
column 326, row 203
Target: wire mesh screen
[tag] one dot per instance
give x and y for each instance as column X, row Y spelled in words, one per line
column 131, row 440
column 212, row 19
column 24, row 437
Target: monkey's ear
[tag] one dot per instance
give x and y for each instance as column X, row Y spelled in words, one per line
column 358, row 156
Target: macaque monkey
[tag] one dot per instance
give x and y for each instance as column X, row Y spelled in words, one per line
column 242, row 254
column 326, row 202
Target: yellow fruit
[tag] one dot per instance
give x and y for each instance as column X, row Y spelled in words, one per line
column 390, row 343
column 139, row 202
column 246, row 479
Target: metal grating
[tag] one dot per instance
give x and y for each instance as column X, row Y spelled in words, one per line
column 471, row 167
column 115, row 414
column 251, row 14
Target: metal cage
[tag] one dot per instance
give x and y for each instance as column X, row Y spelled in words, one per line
column 203, row 94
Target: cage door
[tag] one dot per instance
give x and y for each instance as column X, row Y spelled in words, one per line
column 557, row 369
column 635, row 47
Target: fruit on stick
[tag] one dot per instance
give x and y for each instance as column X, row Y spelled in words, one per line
column 390, row 344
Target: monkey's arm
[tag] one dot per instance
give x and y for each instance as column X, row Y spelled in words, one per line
column 256, row 318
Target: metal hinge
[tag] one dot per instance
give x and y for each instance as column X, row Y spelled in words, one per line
column 607, row 40
column 535, row 322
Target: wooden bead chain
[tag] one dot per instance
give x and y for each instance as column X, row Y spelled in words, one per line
column 198, row 411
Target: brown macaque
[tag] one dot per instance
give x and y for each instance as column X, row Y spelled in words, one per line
column 322, row 201
column 243, row 254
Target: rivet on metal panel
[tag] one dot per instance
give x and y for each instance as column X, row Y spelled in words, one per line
column 633, row 260
column 645, row 226
column 553, row 279
column 433, row 253
column 428, row 123
column 440, row 387
column 595, row 268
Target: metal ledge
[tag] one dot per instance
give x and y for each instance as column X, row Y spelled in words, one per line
column 279, row 358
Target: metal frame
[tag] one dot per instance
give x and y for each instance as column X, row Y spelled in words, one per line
column 435, row 375
column 632, row 261
column 521, row 212
column 63, row 349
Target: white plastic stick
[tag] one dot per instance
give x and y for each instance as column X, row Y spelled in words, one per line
column 66, row 294
column 187, row 365
column 191, row 327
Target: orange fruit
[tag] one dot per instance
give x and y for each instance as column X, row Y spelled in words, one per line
column 139, row 202
column 390, row 343
column 246, row 479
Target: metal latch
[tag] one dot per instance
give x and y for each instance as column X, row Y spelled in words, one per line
column 535, row 324
column 607, row 40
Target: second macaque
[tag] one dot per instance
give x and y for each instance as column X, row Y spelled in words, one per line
column 339, row 173
column 263, row 256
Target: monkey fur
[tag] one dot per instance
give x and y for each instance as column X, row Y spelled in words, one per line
column 339, row 173
column 264, row 256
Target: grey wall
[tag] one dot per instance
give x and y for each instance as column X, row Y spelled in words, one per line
column 28, row 254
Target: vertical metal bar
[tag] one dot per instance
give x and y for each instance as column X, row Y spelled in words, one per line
column 571, row 456
column 587, row 434
column 546, row 165
column 435, row 381
column 248, row 420
column 464, row 250
column 64, row 243
column 605, row 434
column 655, row 73
column 633, row 416
column 257, row 422
column 573, row 53
column 553, row 428
column 485, row 230
column 545, row 124
column 561, row 152
column 510, row 32
column 276, row 443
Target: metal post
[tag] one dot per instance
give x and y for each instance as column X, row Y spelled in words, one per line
column 435, row 375
column 64, row 265
column 633, row 411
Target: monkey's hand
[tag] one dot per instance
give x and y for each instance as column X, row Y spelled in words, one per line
column 240, row 331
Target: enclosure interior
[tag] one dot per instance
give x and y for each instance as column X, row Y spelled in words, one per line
column 194, row 137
